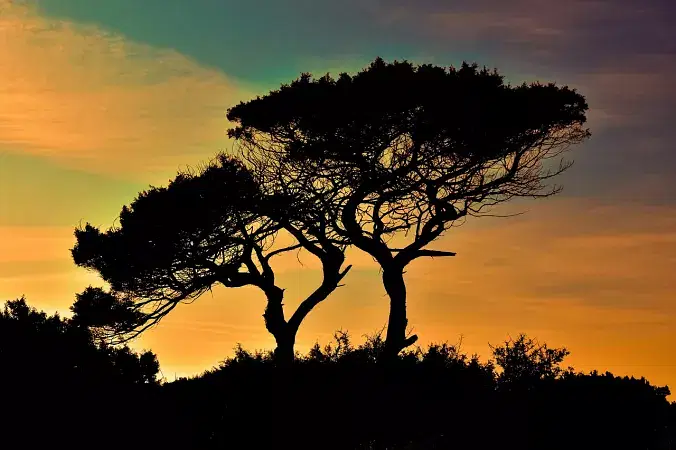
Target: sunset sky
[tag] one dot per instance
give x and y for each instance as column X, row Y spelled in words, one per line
column 101, row 98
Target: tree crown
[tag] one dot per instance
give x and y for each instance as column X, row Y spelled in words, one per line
column 399, row 147
column 173, row 243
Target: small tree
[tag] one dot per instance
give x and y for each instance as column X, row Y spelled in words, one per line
column 525, row 361
column 173, row 244
column 408, row 151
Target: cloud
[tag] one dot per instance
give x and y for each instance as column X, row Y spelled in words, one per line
column 93, row 99
column 636, row 97
column 21, row 244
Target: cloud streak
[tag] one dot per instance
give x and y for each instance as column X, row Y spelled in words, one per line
column 92, row 99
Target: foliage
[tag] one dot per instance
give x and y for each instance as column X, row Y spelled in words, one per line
column 525, row 361
column 104, row 313
column 340, row 396
column 55, row 375
column 54, row 348
column 173, row 243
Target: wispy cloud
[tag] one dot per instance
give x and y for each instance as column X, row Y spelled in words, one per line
column 92, row 99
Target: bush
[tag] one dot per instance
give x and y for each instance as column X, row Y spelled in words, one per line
column 55, row 377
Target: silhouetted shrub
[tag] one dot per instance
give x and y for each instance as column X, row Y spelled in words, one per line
column 342, row 396
column 60, row 386
column 81, row 394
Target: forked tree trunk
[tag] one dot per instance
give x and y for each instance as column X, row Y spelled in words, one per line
column 285, row 331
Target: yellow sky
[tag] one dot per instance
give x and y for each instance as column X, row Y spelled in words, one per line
column 88, row 108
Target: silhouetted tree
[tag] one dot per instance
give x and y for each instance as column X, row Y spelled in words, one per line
column 174, row 243
column 408, row 151
column 595, row 410
column 525, row 361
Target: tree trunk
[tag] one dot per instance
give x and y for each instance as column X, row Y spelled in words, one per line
column 285, row 336
column 285, row 331
column 396, row 340
column 285, row 353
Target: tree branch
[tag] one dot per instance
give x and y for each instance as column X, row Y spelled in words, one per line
column 282, row 250
column 425, row 252
column 332, row 278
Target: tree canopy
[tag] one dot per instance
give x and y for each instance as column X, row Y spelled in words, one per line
column 173, row 243
column 408, row 151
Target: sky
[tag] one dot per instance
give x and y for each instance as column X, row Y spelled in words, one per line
column 100, row 99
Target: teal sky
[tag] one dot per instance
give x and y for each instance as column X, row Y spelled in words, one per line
column 262, row 42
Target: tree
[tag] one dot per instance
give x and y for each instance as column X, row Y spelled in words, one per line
column 403, row 151
column 524, row 361
column 217, row 225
